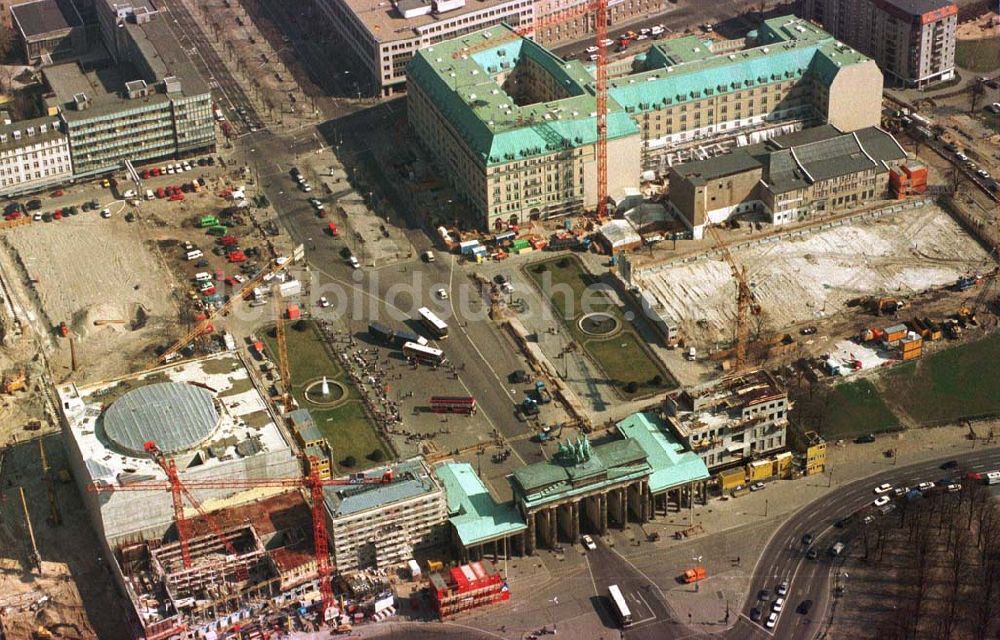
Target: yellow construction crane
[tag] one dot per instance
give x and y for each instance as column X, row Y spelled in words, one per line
column 205, row 326
column 279, row 334
column 55, row 518
column 746, row 303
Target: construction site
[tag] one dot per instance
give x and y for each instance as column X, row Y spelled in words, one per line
column 815, row 275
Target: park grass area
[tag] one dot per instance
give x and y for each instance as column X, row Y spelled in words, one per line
column 623, row 357
column 978, row 55
column 954, row 384
column 346, row 427
column 857, row 408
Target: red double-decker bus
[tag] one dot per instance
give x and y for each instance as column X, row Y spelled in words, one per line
column 454, row 404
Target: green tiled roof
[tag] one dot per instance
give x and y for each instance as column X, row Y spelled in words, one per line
column 562, row 477
column 672, row 465
column 466, row 90
column 473, row 512
column 684, row 69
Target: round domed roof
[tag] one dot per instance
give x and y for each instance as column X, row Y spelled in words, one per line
column 174, row 415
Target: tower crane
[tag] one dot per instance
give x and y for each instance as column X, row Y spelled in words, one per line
column 312, row 481
column 746, row 302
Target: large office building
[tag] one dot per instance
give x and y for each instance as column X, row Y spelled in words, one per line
column 34, row 154
column 150, row 104
column 384, row 36
column 49, row 30
column 787, row 178
column 731, row 422
column 514, row 126
column 379, row 525
column 913, row 41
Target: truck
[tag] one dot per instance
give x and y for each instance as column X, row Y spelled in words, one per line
column 542, row 393
column 695, row 574
column 527, row 408
column 290, row 288
column 414, row 568
column 208, row 221
column 380, row 332
column 401, row 337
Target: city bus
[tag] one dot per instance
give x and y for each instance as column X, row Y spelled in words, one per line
column 619, row 606
column 433, row 323
column 993, row 477
column 419, row 352
column 465, row 405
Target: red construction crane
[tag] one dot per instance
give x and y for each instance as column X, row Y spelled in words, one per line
column 600, row 10
column 312, row 481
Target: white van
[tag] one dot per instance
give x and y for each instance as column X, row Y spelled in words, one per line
column 354, row 262
column 150, row 195
column 692, row 354
column 203, row 276
column 428, row 256
column 194, row 255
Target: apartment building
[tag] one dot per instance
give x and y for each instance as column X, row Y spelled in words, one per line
column 385, row 35
column 732, row 421
column 913, row 41
column 514, row 126
column 788, row 178
column 152, row 104
column 34, row 154
column 380, row 525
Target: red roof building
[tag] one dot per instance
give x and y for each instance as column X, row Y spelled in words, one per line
column 466, row 587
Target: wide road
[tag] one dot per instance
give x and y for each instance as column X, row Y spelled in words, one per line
column 652, row 619
column 784, row 558
column 473, row 344
column 228, row 92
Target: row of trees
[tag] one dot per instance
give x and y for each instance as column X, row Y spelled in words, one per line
column 939, row 562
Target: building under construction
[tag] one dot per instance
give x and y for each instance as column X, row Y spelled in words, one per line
column 736, row 420
column 204, row 425
column 244, row 562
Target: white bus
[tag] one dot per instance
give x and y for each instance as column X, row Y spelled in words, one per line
column 992, row 477
column 621, row 609
column 423, row 354
column 433, row 323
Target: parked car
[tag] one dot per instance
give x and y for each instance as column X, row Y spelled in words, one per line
column 755, row 614
column 866, row 439
column 782, row 589
column 771, row 620
column 881, row 500
column 588, row 542
column 757, row 486
column 33, row 205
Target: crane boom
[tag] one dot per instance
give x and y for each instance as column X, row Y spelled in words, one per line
column 601, row 18
column 746, row 303
column 203, row 326
column 279, row 332
column 312, row 481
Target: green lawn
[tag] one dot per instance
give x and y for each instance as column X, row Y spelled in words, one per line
column 856, row 408
column 978, row 55
column 568, row 285
column 956, row 383
column 346, row 427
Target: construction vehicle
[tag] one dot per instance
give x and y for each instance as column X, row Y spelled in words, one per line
column 542, row 394
column 884, row 306
column 180, row 491
column 14, row 381
column 527, row 409
column 695, row 574
column 870, row 334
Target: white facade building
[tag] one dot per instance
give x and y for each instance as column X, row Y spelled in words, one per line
column 34, row 154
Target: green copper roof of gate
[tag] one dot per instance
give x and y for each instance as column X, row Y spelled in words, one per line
column 473, row 512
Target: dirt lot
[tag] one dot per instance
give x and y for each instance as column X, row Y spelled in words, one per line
column 77, row 590
column 812, row 277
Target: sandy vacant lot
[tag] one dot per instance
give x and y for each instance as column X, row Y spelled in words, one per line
column 805, row 278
